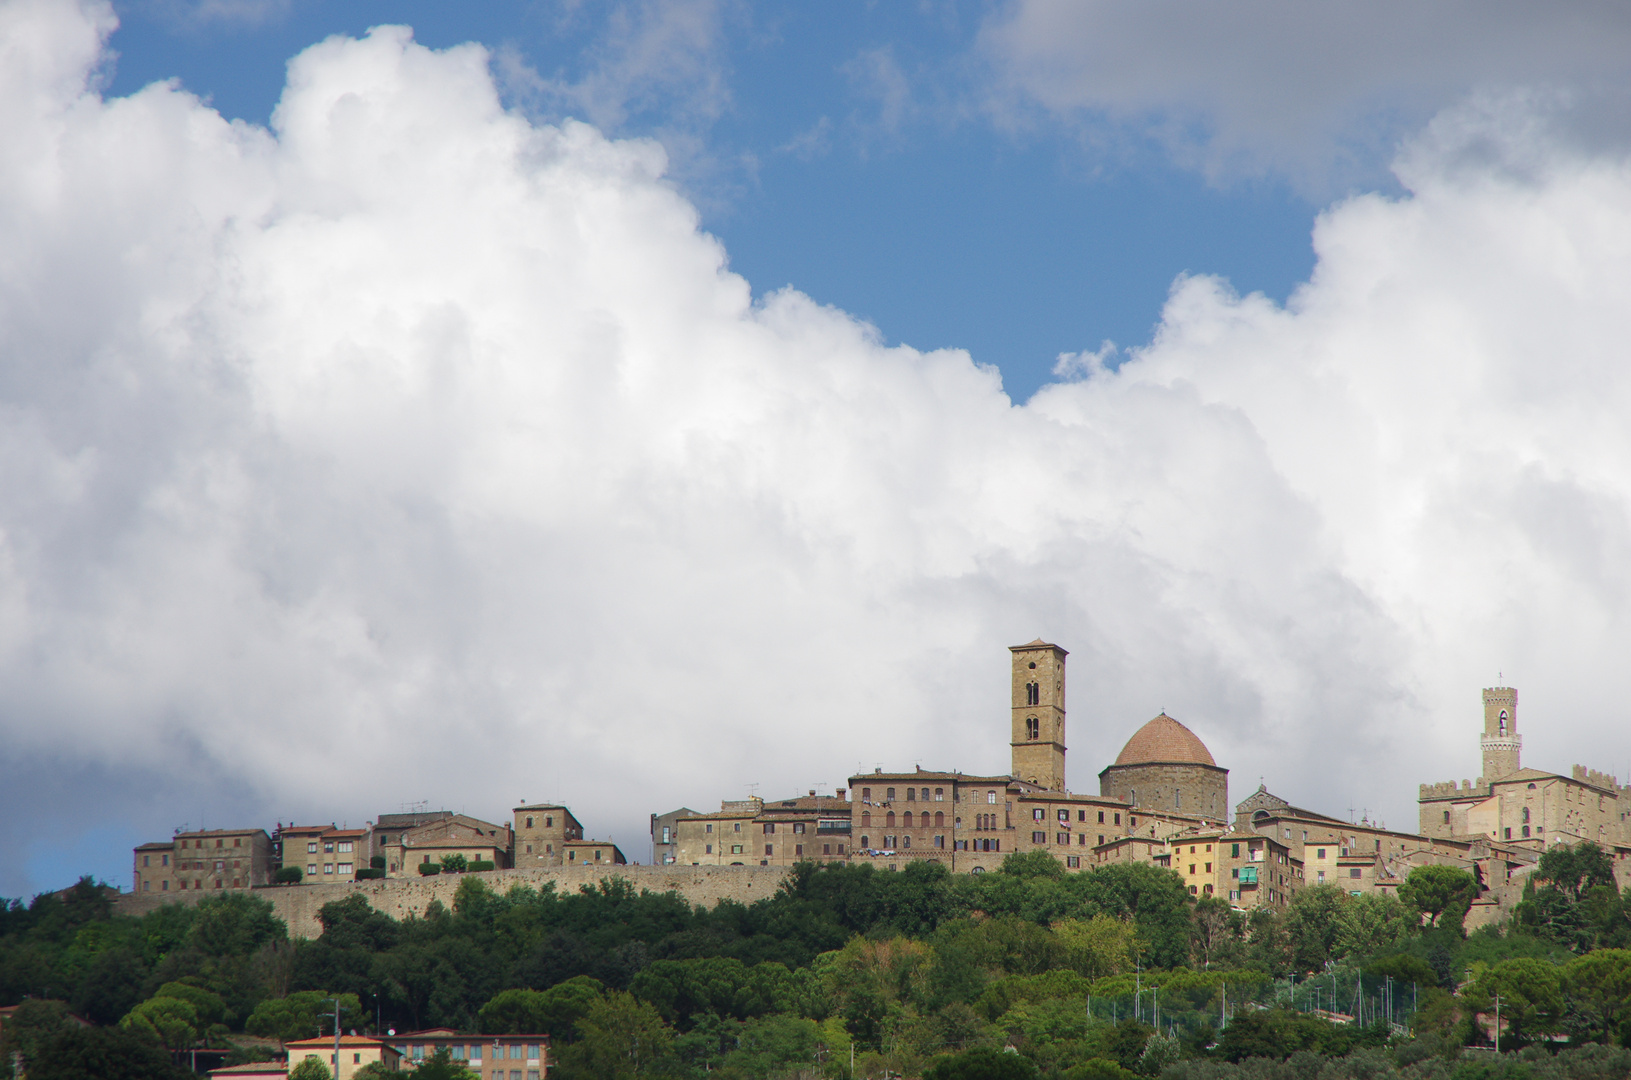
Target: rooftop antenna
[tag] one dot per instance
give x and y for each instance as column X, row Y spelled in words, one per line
column 753, row 790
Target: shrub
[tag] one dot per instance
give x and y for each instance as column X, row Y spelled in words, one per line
column 427, row 869
column 287, row 875
column 454, row 864
column 377, row 862
column 482, row 864
column 370, row 873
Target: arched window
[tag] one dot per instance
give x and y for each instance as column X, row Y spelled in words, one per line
column 991, row 797
column 890, row 821
column 1526, row 830
column 1033, row 728
column 939, row 794
column 911, row 794
column 924, row 795
column 866, row 819
column 939, row 819
column 1033, row 694
column 529, row 823
column 1526, row 815
column 1503, row 721
column 889, row 796
column 908, row 821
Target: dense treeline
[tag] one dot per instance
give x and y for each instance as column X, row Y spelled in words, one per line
column 1112, row 973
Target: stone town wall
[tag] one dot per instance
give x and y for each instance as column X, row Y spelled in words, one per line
column 297, row 905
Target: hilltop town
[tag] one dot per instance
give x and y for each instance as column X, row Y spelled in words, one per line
column 1163, row 801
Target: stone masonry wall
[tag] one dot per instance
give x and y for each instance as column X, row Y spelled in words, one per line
column 297, row 905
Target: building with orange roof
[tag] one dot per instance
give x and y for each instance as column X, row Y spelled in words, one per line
column 1166, row 767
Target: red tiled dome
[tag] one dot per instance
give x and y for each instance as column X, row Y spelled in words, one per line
column 1164, row 739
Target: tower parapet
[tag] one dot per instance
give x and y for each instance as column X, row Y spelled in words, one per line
column 1501, row 743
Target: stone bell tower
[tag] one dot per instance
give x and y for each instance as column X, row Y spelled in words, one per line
column 1039, row 714
column 1501, row 742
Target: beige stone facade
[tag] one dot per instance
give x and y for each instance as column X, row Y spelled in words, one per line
column 474, row 839
column 525, row 1056
column 542, row 831
column 325, row 852
column 1165, row 768
column 205, row 861
column 1038, row 715
column 355, row 1053
column 593, row 853
column 1528, row 808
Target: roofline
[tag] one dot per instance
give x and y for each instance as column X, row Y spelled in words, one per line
column 1141, row 764
column 1037, row 646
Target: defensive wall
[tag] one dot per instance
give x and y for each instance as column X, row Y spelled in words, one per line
column 297, row 905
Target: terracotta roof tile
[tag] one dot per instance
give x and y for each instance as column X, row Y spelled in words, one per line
column 1164, row 739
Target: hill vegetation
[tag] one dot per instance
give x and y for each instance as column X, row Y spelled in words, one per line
column 1029, row 972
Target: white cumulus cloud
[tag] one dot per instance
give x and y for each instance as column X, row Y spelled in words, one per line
column 411, row 450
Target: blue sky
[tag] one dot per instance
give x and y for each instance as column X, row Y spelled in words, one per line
column 420, row 448
column 842, row 149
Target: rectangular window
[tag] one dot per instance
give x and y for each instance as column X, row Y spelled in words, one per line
column 1036, row 815
column 164, row 860
column 1039, row 838
column 826, row 849
column 798, row 849
column 736, row 849
column 145, row 859
column 345, row 846
column 328, row 847
column 345, row 868
column 707, row 849
column 769, row 849
column 328, row 868
column 311, row 869
column 1208, row 868
column 709, row 827
column 798, row 826
column 1319, row 853
column 940, row 841
column 1118, row 819
column 1062, row 838
column 1319, row 877
column 770, row 827
column 940, row 795
column 1355, row 872
column 1101, row 838
column 840, row 849
column 532, row 1052
column 1073, row 861
column 311, row 848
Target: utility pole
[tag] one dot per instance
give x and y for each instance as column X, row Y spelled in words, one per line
column 1497, row 1023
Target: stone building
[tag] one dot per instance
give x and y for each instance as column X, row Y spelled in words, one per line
column 594, row 853
column 967, row 822
column 474, row 839
column 1165, row 768
column 1038, row 715
column 205, row 859
column 324, row 853
column 665, row 835
column 542, row 831
column 1528, row 808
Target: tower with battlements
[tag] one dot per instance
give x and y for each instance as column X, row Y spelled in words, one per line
column 1500, row 742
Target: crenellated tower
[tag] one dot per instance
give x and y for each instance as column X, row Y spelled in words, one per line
column 1038, row 740
column 1501, row 742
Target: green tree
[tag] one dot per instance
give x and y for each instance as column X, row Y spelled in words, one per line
column 1531, row 998
column 170, row 1022
column 309, row 1068
column 454, row 864
column 235, row 924
column 621, row 1036
column 982, row 1063
column 1216, row 929
column 1098, row 946
column 1598, row 986
column 1442, row 894
column 554, row 1012
column 77, row 1053
column 1575, row 870
column 1371, row 923
column 1313, row 922
column 304, row 1014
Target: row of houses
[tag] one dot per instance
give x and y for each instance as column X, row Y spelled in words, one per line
column 1164, row 801
column 392, row 845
